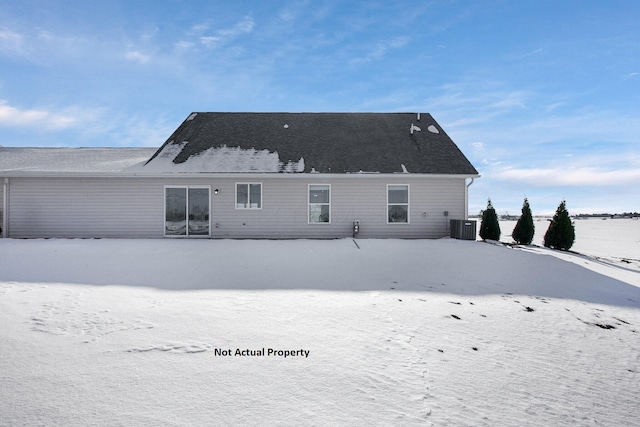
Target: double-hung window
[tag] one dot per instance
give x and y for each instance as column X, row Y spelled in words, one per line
column 248, row 195
column 186, row 211
column 319, row 203
column 397, row 203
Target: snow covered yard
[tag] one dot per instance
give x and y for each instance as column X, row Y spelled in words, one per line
column 615, row 241
column 424, row 332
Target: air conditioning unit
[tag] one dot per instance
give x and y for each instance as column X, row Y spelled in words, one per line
column 463, row 229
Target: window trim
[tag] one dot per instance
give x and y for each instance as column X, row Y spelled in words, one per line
column 408, row 204
column 309, row 204
column 248, row 184
column 187, row 235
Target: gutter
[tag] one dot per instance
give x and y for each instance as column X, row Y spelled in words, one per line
column 466, row 197
column 214, row 175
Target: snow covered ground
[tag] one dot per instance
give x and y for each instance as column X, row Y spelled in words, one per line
column 393, row 332
column 611, row 241
column 613, row 238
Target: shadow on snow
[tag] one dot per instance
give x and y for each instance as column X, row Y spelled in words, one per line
column 443, row 266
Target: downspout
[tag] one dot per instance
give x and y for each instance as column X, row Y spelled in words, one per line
column 5, row 211
column 466, row 199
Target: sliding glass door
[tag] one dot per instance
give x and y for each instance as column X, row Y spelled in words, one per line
column 198, row 212
column 187, row 211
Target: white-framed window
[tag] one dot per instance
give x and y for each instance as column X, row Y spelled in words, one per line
column 397, row 203
column 186, row 211
column 319, row 203
column 248, row 195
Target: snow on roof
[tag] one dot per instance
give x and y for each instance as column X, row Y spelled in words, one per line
column 73, row 160
column 221, row 159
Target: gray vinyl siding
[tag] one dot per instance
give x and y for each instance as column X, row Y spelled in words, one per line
column 85, row 208
column 134, row 207
column 1, row 204
column 284, row 212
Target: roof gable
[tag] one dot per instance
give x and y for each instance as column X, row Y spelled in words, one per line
column 310, row 142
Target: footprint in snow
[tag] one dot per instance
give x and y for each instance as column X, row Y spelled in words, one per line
column 620, row 320
column 173, row 348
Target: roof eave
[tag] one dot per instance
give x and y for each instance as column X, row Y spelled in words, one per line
column 243, row 175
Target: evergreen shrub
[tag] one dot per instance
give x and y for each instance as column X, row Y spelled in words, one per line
column 489, row 226
column 524, row 229
column 561, row 233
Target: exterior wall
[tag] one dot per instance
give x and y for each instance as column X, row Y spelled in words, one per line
column 2, row 203
column 285, row 208
column 133, row 207
column 91, row 207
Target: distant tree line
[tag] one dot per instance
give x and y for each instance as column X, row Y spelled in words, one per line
column 609, row 215
column 559, row 235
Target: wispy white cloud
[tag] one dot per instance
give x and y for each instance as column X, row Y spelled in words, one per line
column 11, row 42
column 509, row 101
column 150, row 34
column 525, row 142
column 136, row 56
column 40, row 46
column 560, row 176
column 491, row 162
column 15, row 117
column 245, row 26
column 183, row 45
column 93, row 126
column 476, row 102
column 210, row 41
column 525, row 55
column 286, row 15
column 554, row 106
column 380, row 49
column 133, row 130
column 200, row 35
column 199, row 28
column 523, row 120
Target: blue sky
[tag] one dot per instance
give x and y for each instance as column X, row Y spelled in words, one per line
column 542, row 96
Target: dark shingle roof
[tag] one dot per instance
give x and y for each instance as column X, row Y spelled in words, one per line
column 328, row 142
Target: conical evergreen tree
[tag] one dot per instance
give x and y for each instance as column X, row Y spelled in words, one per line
column 489, row 227
column 524, row 229
column 560, row 234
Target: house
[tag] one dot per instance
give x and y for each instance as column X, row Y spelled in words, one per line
column 247, row 175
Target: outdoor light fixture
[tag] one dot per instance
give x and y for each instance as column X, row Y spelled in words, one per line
column 356, row 228
column 216, row 191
